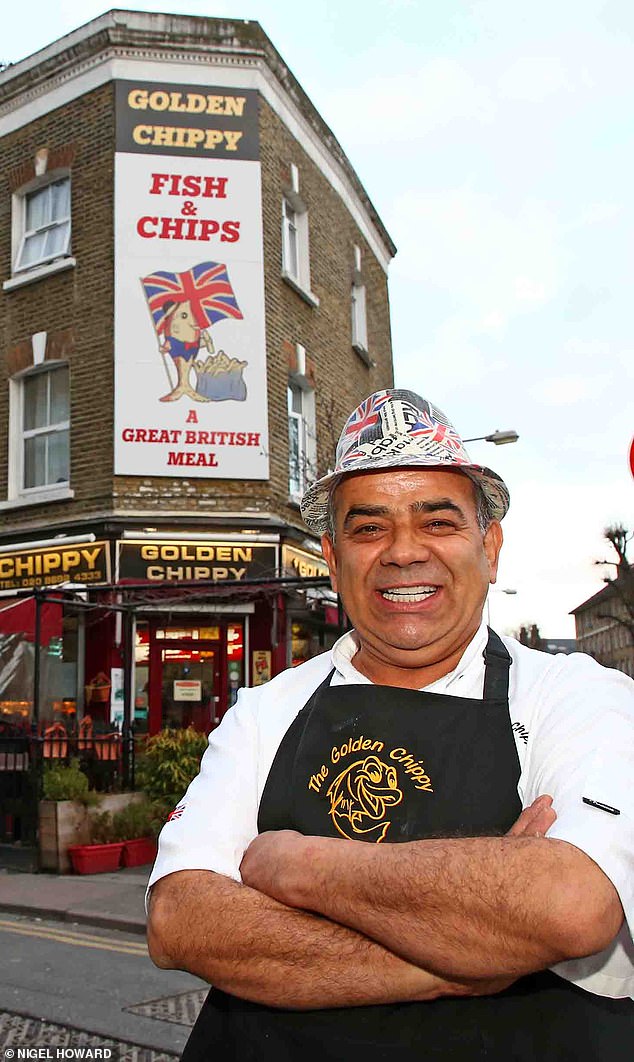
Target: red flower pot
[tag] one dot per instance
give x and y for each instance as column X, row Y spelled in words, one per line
column 95, row 858
column 139, row 851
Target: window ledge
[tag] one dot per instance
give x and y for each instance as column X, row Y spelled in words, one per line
column 29, row 276
column 41, row 498
column 294, row 500
column 307, row 296
column 364, row 355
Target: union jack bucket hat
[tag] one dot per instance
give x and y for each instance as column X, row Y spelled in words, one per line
column 398, row 429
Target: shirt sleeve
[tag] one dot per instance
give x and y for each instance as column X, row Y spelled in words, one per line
column 217, row 818
column 583, row 746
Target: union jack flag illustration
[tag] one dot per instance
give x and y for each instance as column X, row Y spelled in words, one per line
column 353, row 455
column 176, row 813
column 440, row 433
column 366, row 414
column 206, row 286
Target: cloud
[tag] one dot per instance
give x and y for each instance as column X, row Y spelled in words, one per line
column 482, row 264
column 497, row 258
column 400, row 107
column 534, row 79
column 569, row 390
column 553, row 535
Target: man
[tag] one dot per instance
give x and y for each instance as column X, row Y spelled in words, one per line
column 422, row 734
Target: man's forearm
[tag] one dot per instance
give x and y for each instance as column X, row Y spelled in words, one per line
column 463, row 908
column 258, row 949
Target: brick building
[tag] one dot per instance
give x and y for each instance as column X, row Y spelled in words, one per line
column 194, row 294
column 604, row 629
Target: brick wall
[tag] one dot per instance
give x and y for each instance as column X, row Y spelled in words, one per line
column 74, row 307
column 79, row 304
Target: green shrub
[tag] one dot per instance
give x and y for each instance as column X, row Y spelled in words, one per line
column 140, row 819
column 168, row 763
column 63, row 782
column 102, row 828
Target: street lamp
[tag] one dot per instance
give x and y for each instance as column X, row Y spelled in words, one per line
column 497, row 590
column 500, row 438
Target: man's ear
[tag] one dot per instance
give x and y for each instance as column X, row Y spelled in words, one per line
column 493, row 539
column 328, row 550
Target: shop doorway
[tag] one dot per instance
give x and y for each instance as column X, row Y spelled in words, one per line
column 190, row 686
column 186, row 675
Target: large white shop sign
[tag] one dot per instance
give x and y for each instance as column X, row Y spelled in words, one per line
column 190, row 355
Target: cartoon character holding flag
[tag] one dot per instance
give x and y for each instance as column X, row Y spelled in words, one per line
column 183, row 306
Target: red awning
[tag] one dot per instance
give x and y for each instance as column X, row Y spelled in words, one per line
column 18, row 617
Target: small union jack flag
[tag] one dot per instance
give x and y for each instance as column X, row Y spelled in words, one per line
column 436, row 432
column 206, row 286
column 366, row 414
column 177, row 812
column 354, row 455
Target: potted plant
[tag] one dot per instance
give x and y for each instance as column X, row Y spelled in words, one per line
column 63, row 814
column 167, row 763
column 137, row 825
column 103, row 852
column 66, row 813
column 98, row 689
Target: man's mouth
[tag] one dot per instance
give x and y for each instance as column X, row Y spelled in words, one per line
column 408, row 594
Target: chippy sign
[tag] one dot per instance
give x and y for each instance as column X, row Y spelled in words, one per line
column 165, row 560
column 87, row 562
column 306, row 565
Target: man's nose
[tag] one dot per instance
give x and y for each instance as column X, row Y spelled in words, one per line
column 405, row 548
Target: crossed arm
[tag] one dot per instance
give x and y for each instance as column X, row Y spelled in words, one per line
column 325, row 923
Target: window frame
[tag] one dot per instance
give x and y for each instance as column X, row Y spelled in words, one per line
column 306, row 436
column 296, row 273
column 290, row 242
column 359, row 317
column 20, row 234
column 19, row 436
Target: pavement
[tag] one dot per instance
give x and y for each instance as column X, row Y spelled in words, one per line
column 113, row 901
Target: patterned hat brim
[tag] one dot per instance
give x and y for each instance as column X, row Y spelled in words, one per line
column 314, row 504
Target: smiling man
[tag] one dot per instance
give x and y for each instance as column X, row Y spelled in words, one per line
column 484, row 916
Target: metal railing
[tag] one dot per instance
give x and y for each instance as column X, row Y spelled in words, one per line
column 106, row 759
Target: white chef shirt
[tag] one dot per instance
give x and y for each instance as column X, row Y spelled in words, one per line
column 573, row 722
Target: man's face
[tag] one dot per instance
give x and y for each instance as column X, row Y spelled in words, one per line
column 412, row 567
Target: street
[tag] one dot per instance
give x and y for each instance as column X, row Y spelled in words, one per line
column 100, row 981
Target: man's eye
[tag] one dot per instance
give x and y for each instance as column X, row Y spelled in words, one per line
column 440, row 525
column 364, row 529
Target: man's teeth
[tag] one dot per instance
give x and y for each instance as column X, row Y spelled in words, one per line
column 408, row 593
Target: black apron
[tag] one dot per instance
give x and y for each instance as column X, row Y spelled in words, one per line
column 385, row 764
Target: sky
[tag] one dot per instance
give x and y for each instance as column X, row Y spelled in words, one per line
column 496, row 140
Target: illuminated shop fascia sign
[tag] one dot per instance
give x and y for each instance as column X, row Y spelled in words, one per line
column 299, row 562
column 87, row 562
column 168, row 560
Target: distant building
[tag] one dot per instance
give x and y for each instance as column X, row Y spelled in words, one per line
column 531, row 637
column 194, row 296
column 599, row 632
column 559, row 645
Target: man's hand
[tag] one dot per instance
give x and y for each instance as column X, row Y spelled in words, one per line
column 270, row 861
column 534, row 820
column 450, row 906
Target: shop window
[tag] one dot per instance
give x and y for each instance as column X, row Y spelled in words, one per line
column 235, row 661
column 39, row 446
column 141, row 678
column 302, row 439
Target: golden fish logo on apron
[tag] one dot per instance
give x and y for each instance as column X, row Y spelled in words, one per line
column 360, row 797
